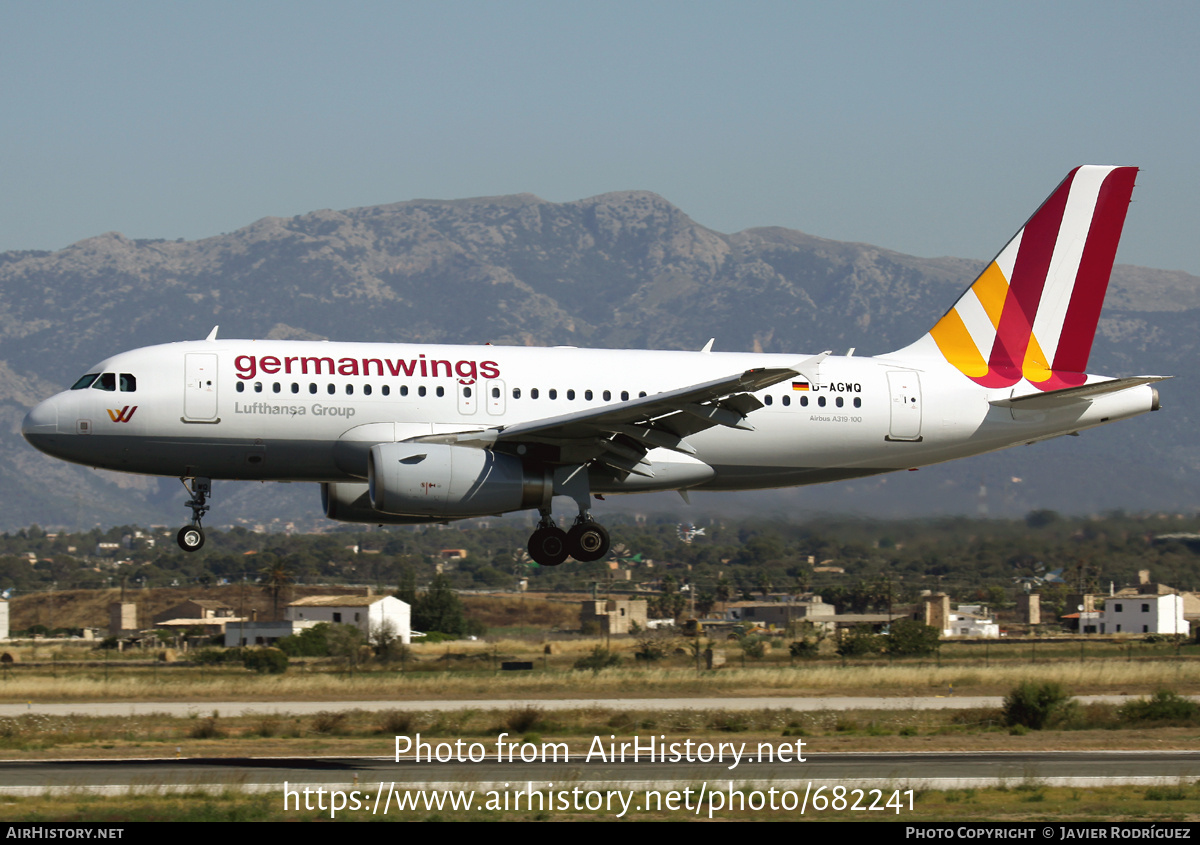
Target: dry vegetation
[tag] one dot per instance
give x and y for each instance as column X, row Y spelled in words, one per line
column 469, row 671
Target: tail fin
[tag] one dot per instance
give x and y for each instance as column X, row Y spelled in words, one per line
column 1032, row 313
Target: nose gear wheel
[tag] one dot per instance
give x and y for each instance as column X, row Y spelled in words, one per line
column 191, row 537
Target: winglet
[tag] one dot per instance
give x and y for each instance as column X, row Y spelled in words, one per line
column 213, row 334
column 708, row 346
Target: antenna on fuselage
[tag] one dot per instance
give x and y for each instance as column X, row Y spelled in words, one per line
column 213, row 334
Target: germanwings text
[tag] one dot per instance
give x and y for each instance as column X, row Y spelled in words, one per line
column 249, row 366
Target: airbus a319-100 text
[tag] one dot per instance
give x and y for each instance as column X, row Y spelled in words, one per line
column 410, row 433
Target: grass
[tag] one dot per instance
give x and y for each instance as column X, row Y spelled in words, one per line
column 466, row 671
column 359, row 732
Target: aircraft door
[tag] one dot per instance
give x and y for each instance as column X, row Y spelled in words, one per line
column 467, row 398
column 200, row 387
column 905, row 389
column 495, row 397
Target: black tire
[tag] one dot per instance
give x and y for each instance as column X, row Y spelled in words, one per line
column 190, row 538
column 548, row 546
column 587, row 541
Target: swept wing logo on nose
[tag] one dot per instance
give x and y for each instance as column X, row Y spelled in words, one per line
column 123, row 415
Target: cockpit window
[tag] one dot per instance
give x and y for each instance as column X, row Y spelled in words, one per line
column 86, row 381
column 107, row 381
column 128, row 383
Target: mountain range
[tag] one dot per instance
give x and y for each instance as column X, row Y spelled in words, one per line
column 625, row 269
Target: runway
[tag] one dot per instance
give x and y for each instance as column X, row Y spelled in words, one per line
column 930, row 770
column 303, row 708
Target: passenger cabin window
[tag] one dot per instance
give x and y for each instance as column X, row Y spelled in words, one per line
column 107, row 381
column 86, row 381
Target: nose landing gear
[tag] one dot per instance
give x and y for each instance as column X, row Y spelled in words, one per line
column 191, row 537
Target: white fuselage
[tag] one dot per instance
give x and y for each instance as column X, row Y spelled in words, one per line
column 307, row 411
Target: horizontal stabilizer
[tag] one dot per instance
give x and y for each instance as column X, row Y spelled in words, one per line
column 1067, row 395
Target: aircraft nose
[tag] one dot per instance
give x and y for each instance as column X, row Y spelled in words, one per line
column 41, row 420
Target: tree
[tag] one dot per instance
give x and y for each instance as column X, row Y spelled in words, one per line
column 275, row 578
column 311, row 642
column 1035, row 705
column 753, row 646
column 859, row 642
column 407, row 591
column 347, row 644
column 386, row 642
column 724, row 591
column 439, row 609
column 910, row 638
column 653, row 645
column 265, row 661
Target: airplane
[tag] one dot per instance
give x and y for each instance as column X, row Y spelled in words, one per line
column 414, row 433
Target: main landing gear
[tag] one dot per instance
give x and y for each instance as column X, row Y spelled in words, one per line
column 191, row 537
column 550, row 545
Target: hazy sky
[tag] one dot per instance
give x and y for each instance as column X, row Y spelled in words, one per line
column 930, row 128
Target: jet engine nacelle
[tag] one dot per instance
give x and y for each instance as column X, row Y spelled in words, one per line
column 350, row 502
column 454, row 482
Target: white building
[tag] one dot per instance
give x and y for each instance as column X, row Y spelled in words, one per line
column 245, row 633
column 1143, row 615
column 969, row 621
column 3, row 619
column 367, row 613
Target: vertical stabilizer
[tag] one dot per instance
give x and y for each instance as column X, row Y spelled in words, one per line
column 1033, row 311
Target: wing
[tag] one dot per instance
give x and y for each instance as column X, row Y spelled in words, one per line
column 620, row 435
